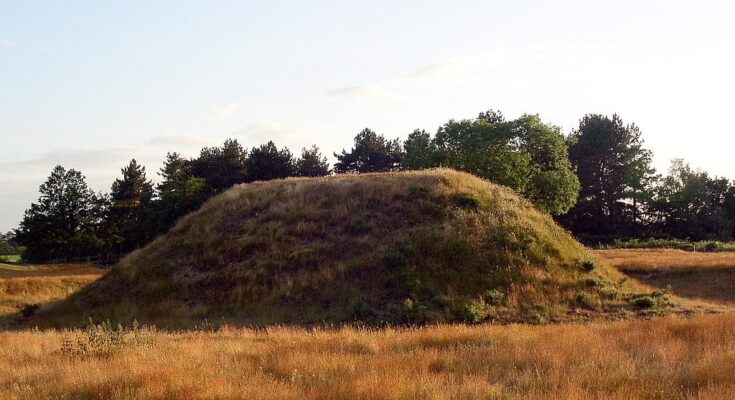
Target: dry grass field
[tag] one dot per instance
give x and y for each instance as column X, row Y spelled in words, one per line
column 668, row 358
column 705, row 276
column 24, row 286
column 662, row 358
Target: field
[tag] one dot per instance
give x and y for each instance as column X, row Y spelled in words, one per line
column 705, row 276
column 671, row 357
column 22, row 287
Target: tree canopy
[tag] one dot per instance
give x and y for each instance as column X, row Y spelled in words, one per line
column 525, row 154
column 66, row 221
column 130, row 213
column 615, row 174
column 372, row 153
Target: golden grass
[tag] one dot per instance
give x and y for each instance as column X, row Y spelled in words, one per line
column 25, row 285
column 668, row 358
column 663, row 358
column 704, row 276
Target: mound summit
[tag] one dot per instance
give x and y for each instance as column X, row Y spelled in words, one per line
column 429, row 246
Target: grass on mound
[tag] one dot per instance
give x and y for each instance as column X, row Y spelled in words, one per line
column 412, row 247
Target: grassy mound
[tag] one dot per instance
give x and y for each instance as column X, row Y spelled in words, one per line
column 432, row 246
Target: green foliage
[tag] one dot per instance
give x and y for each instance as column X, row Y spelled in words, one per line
column 268, row 162
column 706, row 246
column 10, row 258
column 475, row 311
column 178, row 193
column 312, row 163
column 494, row 297
column 586, row 300
column 655, row 299
column 8, row 245
column 691, row 204
column 220, row 167
column 67, row 220
column 588, row 265
column 645, row 302
column 130, row 215
column 524, row 154
column 615, row 174
column 372, row 153
column 419, row 151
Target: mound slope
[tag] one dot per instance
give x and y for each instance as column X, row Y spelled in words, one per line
column 436, row 245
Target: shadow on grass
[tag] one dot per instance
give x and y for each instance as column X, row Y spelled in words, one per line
column 713, row 284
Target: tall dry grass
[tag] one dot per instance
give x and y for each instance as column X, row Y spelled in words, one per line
column 21, row 286
column 669, row 358
column 703, row 276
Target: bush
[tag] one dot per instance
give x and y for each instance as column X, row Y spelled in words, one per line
column 103, row 339
column 494, row 297
column 586, row 300
column 475, row 311
column 706, row 245
column 645, row 302
column 588, row 265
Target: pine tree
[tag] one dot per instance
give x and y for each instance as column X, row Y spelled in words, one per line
column 130, row 213
column 312, row 163
column 67, row 220
column 372, row 153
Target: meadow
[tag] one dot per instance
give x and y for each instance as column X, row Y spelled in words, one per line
column 670, row 357
column 694, row 275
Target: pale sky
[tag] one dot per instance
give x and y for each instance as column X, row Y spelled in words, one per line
column 91, row 84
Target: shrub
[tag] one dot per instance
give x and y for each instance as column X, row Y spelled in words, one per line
column 103, row 339
column 494, row 297
column 588, row 265
column 475, row 311
column 586, row 300
column 645, row 302
column 29, row 309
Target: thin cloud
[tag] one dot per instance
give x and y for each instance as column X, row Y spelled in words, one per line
column 359, row 92
column 179, row 141
column 7, row 44
column 258, row 133
column 224, row 111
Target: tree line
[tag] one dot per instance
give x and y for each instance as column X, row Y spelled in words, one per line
column 597, row 181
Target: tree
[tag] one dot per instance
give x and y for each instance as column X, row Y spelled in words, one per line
column 129, row 216
column 268, row 162
column 419, row 151
column 312, row 163
column 690, row 204
column 372, row 153
column 7, row 244
column 66, row 221
column 221, row 167
column 179, row 192
column 615, row 174
column 524, row 154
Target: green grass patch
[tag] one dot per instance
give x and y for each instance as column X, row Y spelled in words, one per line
column 11, row 258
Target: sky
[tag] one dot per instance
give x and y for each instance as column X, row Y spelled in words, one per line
column 91, row 84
